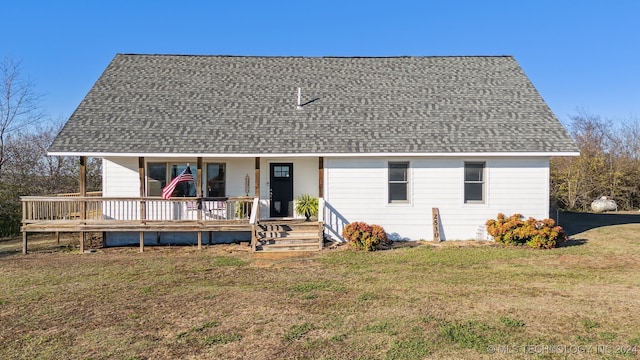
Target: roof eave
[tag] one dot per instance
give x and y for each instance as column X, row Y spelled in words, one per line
column 301, row 155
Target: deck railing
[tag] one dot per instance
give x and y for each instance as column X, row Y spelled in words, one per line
column 99, row 209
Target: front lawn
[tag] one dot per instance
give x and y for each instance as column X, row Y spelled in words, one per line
column 454, row 300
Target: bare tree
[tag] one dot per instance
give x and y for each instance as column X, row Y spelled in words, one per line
column 608, row 165
column 19, row 104
column 28, row 164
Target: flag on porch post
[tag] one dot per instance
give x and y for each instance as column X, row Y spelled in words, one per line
column 185, row 176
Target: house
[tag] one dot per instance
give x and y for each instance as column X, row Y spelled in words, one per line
column 392, row 141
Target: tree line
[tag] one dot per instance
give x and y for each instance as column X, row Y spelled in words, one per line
column 608, row 165
column 25, row 135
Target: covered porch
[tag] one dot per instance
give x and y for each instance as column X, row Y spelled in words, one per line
column 199, row 214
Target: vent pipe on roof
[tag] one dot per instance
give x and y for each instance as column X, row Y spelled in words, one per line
column 299, row 107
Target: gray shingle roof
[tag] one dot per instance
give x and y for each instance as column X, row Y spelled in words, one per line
column 149, row 104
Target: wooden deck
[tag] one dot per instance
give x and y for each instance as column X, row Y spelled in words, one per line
column 82, row 215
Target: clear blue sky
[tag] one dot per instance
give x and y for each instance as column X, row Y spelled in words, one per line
column 579, row 54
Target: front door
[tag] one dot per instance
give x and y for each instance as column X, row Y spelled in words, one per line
column 281, row 189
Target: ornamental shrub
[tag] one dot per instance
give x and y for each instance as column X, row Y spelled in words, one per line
column 364, row 236
column 514, row 230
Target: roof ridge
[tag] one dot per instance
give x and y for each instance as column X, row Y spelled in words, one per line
column 320, row 56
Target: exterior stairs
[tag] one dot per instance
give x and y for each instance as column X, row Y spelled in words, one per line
column 287, row 235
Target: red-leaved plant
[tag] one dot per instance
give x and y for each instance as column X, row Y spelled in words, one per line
column 364, row 236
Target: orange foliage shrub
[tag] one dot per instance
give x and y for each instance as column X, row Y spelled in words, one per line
column 514, row 230
column 364, row 236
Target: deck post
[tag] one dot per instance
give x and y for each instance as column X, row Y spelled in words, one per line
column 24, row 222
column 24, row 242
column 199, row 178
column 142, row 177
column 257, row 185
column 321, row 177
column 254, row 239
column 257, row 177
column 83, row 194
column 199, row 195
column 143, row 205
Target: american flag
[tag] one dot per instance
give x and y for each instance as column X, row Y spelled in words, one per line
column 184, row 176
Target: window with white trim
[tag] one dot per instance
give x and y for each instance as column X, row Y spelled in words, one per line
column 398, row 182
column 474, row 182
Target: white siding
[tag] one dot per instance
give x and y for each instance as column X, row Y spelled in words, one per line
column 356, row 190
column 120, row 177
column 237, row 171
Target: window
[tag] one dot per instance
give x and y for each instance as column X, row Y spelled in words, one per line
column 281, row 171
column 183, row 188
column 473, row 182
column 398, row 182
column 216, row 180
column 157, row 179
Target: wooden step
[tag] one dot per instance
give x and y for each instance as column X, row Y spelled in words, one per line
column 288, row 247
column 288, row 236
column 289, row 240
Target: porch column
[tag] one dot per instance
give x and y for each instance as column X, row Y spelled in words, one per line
column 257, row 178
column 199, row 195
column 320, row 176
column 83, row 194
column 199, row 179
column 143, row 204
column 257, row 185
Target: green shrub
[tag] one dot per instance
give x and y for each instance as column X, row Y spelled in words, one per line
column 514, row 230
column 364, row 236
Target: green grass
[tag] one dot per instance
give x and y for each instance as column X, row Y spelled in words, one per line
column 296, row 332
column 450, row 301
column 510, row 322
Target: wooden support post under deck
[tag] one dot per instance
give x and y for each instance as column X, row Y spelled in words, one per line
column 24, row 242
column 254, row 239
column 143, row 205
